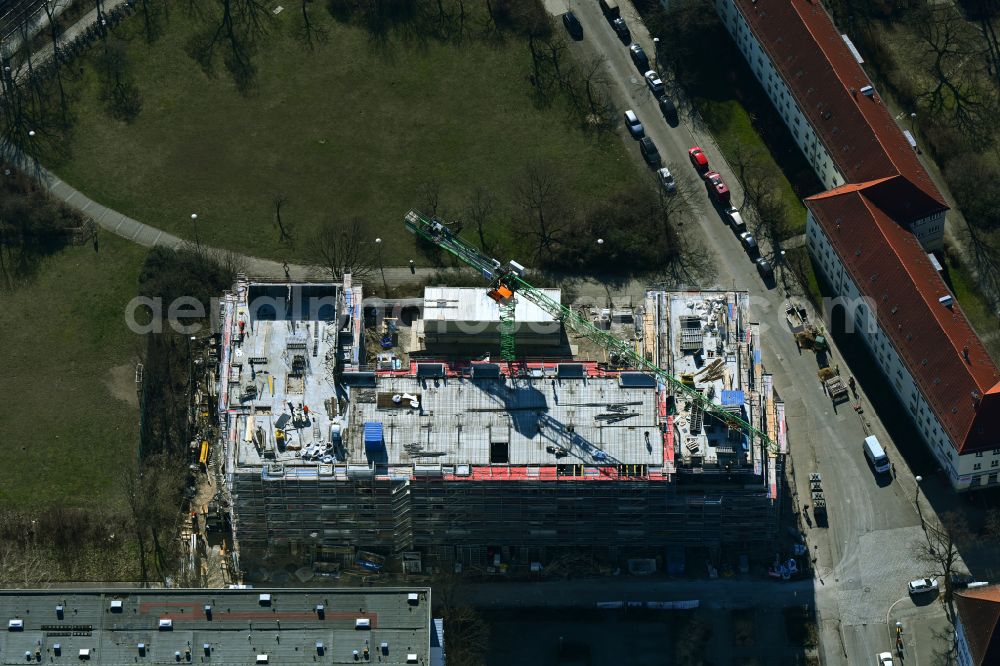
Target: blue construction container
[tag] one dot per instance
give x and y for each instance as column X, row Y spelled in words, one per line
column 374, row 444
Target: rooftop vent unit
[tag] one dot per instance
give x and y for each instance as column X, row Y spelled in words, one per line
column 413, row 598
column 319, row 648
column 411, row 658
column 946, row 300
column 262, row 659
column 265, row 600
column 166, row 624
column 57, row 649
column 116, row 606
column 142, row 649
column 59, row 611
column 320, row 610
column 15, row 625
column 84, row 653
column 207, row 648
column 208, row 611
column 868, row 91
column 362, row 623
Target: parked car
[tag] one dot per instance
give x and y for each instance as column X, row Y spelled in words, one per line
column 649, row 151
column 884, row 659
column 749, row 244
column 666, row 180
column 573, row 26
column 922, row 585
column 735, row 220
column 764, row 268
column 668, row 109
column 699, row 160
column 654, row 83
column 633, row 125
column 621, row 30
column 639, row 58
column 717, row 187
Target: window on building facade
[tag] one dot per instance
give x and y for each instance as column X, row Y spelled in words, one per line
column 979, row 454
column 977, row 466
column 995, row 463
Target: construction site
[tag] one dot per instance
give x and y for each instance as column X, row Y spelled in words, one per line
column 335, row 462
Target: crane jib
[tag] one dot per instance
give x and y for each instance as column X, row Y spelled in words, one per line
column 438, row 233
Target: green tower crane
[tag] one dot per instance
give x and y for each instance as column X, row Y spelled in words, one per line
column 507, row 283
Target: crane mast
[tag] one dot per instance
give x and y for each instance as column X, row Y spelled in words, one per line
column 507, row 283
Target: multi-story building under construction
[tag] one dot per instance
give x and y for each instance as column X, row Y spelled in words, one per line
column 468, row 461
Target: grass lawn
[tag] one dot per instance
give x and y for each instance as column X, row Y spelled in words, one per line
column 69, row 413
column 984, row 321
column 347, row 130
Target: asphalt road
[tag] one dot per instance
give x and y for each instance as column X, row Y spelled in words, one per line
column 865, row 556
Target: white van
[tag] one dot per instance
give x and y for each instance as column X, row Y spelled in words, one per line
column 876, row 455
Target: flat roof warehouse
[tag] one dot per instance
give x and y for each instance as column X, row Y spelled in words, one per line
column 281, row 626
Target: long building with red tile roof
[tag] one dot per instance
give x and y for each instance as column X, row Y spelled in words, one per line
column 977, row 632
column 869, row 233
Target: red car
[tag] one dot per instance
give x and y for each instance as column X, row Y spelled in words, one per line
column 717, row 187
column 699, row 160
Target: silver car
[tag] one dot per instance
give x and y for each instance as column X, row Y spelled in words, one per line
column 654, row 83
column 634, row 126
column 922, row 585
column 666, row 180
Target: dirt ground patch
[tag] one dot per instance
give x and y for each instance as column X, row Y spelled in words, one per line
column 121, row 384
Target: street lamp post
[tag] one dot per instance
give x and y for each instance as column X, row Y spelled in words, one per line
column 916, row 498
column 656, row 53
column 194, row 223
column 913, row 119
column 378, row 245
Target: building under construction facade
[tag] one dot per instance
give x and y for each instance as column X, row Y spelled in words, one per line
column 473, row 461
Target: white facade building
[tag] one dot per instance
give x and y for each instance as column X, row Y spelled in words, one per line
column 826, row 101
column 879, row 201
column 967, row 470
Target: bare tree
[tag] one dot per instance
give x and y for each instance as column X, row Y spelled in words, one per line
column 24, row 565
column 540, row 195
column 762, row 204
column 55, row 32
column 284, row 230
column 130, row 481
column 310, row 32
column 596, row 103
column 467, row 632
column 940, row 549
column 342, row 250
column 153, row 492
column 430, row 196
column 152, row 19
column 240, row 25
column 479, row 211
column 120, row 92
column 954, row 58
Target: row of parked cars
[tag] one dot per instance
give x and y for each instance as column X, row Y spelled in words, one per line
column 714, row 182
column 719, row 192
